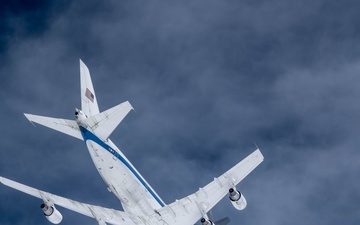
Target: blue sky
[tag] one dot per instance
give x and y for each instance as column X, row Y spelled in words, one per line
column 207, row 79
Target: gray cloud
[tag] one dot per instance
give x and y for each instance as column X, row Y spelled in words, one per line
column 206, row 79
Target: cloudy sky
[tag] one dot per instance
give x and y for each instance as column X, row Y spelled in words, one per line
column 207, row 78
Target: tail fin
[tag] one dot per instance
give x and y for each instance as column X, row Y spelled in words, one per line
column 89, row 103
column 102, row 124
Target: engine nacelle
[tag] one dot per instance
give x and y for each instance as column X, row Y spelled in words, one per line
column 206, row 222
column 237, row 199
column 51, row 213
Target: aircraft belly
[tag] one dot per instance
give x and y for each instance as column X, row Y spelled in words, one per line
column 119, row 178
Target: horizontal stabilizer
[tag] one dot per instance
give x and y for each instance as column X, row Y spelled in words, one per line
column 69, row 127
column 104, row 124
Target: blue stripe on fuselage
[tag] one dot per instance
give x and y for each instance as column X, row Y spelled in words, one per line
column 87, row 135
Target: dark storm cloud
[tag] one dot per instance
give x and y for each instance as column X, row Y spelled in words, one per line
column 206, row 78
column 26, row 19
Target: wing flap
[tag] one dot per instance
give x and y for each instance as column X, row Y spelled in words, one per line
column 99, row 213
column 69, row 127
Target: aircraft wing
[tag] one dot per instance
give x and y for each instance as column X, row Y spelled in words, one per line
column 69, row 127
column 101, row 214
column 190, row 209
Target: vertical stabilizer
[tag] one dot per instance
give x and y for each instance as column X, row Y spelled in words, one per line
column 89, row 103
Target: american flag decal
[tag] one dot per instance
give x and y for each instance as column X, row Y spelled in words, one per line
column 89, row 95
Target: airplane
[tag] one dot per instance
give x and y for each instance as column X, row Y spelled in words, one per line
column 140, row 203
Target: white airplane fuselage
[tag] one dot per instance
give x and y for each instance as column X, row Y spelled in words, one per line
column 135, row 194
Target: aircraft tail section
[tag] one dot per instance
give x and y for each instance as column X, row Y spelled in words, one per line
column 69, row 127
column 103, row 124
column 89, row 103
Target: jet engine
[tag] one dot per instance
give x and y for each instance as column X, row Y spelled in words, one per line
column 51, row 213
column 206, row 222
column 237, row 199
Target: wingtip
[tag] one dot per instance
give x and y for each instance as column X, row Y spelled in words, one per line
column 81, row 62
column 28, row 117
column 132, row 108
column 258, row 152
